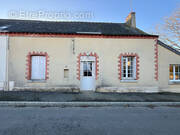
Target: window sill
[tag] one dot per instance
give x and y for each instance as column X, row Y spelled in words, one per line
column 36, row 81
column 174, row 82
column 129, row 81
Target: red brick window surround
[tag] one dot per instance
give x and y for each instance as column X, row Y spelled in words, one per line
column 156, row 60
column 120, row 64
column 29, row 63
column 96, row 64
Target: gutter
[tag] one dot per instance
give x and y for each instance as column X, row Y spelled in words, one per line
column 79, row 34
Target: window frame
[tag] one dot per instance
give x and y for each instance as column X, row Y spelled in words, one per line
column 126, row 66
column 29, row 63
column 174, row 73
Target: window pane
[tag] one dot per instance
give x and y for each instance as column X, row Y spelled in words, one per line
column 89, row 68
column 131, row 71
column 171, row 69
column 171, row 76
column 124, row 63
column 129, row 75
column 176, row 76
column 124, row 71
column 176, row 68
column 85, row 73
column 84, row 69
column 171, row 72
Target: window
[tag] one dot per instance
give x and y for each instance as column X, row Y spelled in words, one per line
column 66, row 73
column 87, row 68
column 38, row 67
column 174, row 72
column 128, row 67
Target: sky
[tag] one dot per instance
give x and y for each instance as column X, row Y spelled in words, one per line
column 149, row 13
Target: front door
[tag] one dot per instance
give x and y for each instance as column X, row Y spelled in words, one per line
column 87, row 78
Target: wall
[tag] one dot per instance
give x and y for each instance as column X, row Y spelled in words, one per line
column 3, row 54
column 60, row 52
column 166, row 57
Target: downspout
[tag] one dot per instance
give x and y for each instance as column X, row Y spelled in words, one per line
column 7, row 64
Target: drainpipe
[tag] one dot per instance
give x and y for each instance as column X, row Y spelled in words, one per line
column 7, row 64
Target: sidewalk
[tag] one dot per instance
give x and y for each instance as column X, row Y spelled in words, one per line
column 88, row 104
column 87, row 97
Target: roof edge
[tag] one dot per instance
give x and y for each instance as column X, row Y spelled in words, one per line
column 168, row 47
column 76, row 35
column 62, row 21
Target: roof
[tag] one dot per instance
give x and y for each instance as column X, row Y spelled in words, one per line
column 168, row 47
column 52, row 27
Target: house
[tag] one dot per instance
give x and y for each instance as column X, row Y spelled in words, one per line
column 73, row 56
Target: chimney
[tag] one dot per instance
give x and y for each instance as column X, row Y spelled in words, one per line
column 131, row 19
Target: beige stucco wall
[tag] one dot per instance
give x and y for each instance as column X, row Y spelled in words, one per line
column 61, row 56
column 167, row 57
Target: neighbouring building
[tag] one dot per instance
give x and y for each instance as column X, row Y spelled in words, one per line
column 3, row 61
column 73, row 56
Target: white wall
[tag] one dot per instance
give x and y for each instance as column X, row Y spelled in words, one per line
column 3, row 55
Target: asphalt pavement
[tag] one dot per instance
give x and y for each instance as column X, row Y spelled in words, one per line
column 89, row 121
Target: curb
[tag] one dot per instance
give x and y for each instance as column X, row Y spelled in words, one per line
column 88, row 104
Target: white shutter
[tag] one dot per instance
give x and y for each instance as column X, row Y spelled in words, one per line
column 38, row 67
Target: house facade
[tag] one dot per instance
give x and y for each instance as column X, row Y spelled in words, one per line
column 79, row 56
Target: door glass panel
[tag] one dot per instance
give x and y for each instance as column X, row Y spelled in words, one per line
column 84, row 69
column 87, row 68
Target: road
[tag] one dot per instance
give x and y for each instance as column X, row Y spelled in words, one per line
column 90, row 121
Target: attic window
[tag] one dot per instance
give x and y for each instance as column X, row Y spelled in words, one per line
column 3, row 27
